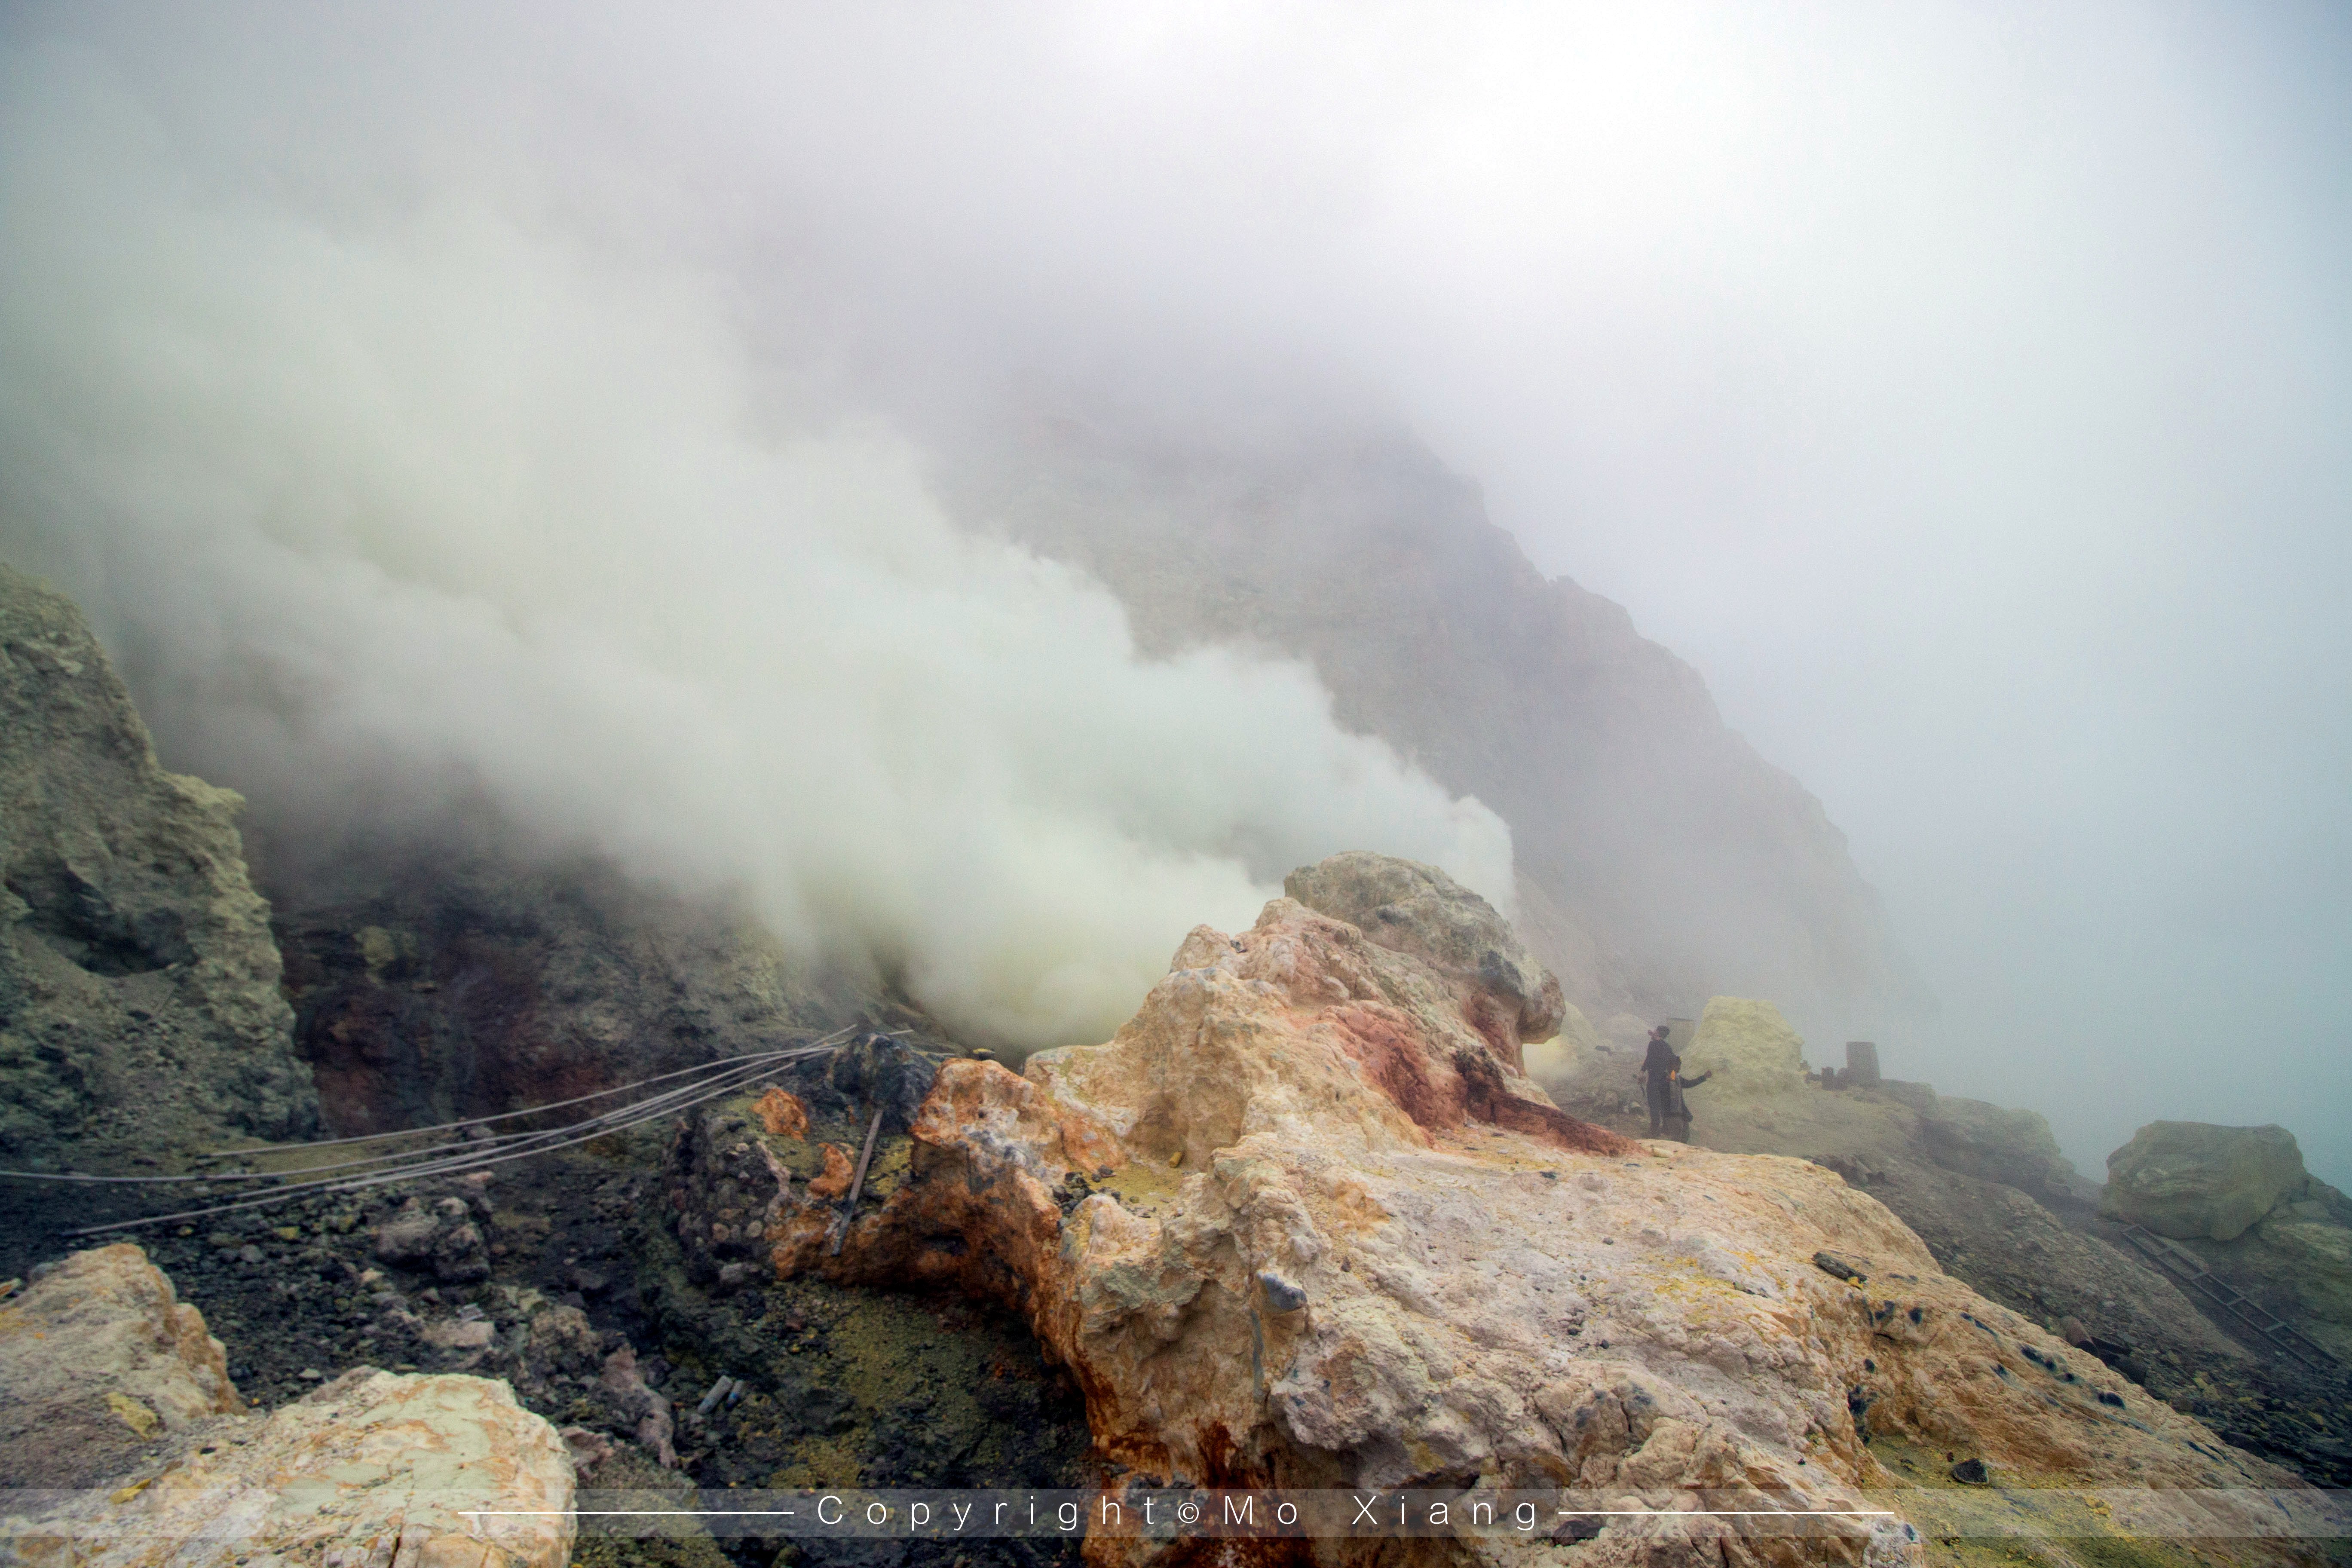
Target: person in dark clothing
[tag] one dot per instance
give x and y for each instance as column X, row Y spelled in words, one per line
column 1679, row 1113
column 1663, row 1084
column 1659, row 1066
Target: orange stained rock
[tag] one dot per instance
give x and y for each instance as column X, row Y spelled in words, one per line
column 781, row 1114
column 835, row 1182
column 969, row 1095
column 1384, row 1248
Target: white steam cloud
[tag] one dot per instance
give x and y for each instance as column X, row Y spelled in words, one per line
column 395, row 499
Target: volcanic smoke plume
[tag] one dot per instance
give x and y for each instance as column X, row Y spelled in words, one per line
column 392, row 495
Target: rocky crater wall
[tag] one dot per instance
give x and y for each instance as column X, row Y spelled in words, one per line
column 139, row 1008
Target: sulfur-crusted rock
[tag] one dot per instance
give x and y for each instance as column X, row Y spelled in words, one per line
column 1576, row 1044
column 1421, row 911
column 112, row 1393
column 370, row 1469
column 1748, row 1047
column 1300, row 1224
column 139, row 994
column 1988, row 1193
column 98, row 1357
column 2192, row 1179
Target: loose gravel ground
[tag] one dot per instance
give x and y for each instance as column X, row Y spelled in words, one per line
column 841, row 1387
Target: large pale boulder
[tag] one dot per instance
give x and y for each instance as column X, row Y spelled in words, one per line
column 1299, row 1224
column 1419, row 910
column 112, row 1394
column 99, row 1357
column 2312, row 1258
column 370, row 1470
column 2192, row 1179
column 139, row 983
column 1748, row 1047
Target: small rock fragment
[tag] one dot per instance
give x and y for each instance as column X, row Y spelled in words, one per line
column 834, row 1181
column 1281, row 1294
column 460, row 1335
column 133, row 1414
column 781, row 1114
column 588, row 1449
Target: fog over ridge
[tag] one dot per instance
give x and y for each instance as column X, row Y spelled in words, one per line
column 1963, row 390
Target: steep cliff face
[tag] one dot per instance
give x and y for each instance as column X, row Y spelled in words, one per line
column 139, row 985
column 1662, row 859
column 1299, row 1223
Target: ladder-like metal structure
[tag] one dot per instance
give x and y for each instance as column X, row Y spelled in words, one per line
column 2241, row 1311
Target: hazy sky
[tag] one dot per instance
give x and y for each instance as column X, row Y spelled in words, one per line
column 1967, row 391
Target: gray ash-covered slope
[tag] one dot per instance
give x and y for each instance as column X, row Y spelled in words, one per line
column 139, row 1009
column 1661, row 858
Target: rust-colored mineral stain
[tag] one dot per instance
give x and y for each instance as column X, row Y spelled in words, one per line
column 834, row 1182
column 1393, row 1057
column 781, row 1114
column 1496, row 1025
column 1490, row 1100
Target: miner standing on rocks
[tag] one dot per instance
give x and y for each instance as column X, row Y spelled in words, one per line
column 1658, row 1068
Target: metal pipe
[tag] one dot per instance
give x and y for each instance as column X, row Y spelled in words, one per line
column 857, row 1186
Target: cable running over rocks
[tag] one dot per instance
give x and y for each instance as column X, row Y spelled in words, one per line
column 708, row 1081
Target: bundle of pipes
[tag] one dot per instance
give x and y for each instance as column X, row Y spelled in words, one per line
column 708, row 1081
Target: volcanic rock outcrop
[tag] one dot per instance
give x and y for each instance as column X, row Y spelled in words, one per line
column 1421, row 911
column 139, row 999
column 2239, row 1199
column 1300, row 1223
column 110, row 1386
column 2307, row 1251
column 2189, row 1179
column 1998, row 1143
